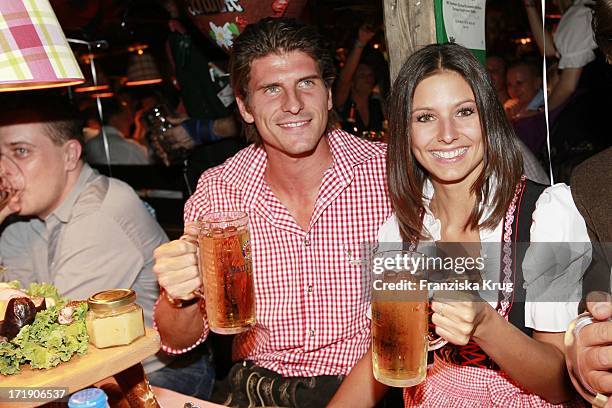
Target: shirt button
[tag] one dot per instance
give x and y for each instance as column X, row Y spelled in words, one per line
column 309, row 288
column 311, row 333
column 306, row 242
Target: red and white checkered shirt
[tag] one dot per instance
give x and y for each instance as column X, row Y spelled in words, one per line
column 311, row 296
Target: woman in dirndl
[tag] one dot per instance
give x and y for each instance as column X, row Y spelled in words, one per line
column 455, row 175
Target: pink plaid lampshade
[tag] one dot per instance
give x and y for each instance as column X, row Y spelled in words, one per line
column 33, row 50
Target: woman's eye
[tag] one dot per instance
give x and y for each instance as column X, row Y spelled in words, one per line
column 426, row 117
column 465, row 112
column 21, row 151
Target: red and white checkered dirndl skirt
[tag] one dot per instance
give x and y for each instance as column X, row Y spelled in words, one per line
column 453, row 386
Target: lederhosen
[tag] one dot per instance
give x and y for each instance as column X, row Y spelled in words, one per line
column 516, row 228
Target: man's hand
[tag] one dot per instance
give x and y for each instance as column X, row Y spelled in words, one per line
column 176, row 265
column 176, row 136
column 594, row 353
column 512, row 108
column 599, row 304
column 226, row 127
column 13, row 206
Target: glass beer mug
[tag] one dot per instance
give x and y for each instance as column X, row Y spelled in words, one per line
column 11, row 180
column 400, row 323
column 227, row 273
column 572, row 338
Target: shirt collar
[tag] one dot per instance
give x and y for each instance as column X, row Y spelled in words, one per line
column 246, row 170
column 64, row 211
column 349, row 151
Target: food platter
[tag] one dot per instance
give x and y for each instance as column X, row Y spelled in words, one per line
column 82, row 371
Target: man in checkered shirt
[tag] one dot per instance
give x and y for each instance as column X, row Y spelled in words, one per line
column 313, row 196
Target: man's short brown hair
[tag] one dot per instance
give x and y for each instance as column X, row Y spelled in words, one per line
column 275, row 36
column 55, row 112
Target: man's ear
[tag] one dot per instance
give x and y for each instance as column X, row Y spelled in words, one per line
column 72, row 154
column 244, row 110
column 330, row 101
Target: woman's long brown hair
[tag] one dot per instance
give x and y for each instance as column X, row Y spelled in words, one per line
column 502, row 157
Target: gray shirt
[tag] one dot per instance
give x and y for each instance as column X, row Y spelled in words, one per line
column 100, row 237
column 121, row 150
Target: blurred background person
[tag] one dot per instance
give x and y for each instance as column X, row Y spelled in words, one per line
column 359, row 108
column 496, row 67
column 117, row 124
column 524, row 85
column 525, row 108
column 572, row 43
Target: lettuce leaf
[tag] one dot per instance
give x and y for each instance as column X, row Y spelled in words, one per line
column 10, row 358
column 46, row 290
column 45, row 343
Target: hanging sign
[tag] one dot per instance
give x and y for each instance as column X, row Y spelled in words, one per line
column 464, row 21
column 223, row 20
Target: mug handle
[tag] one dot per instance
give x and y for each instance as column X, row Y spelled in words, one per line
column 435, row 342
column 199, row 292
column 596, row 399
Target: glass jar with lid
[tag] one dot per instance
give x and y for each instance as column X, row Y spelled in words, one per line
column 113, row 318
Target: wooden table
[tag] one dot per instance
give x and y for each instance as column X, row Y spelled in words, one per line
column 82, row 371
column 170, row 399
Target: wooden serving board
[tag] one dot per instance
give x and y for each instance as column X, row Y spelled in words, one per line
column 82, row 371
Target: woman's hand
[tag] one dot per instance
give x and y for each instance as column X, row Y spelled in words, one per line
column 458, row 320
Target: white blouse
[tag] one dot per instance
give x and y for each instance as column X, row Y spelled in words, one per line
column 555, row 219
column 574, row 37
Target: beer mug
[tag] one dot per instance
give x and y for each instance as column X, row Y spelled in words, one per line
column 12, row 181
column 572, row 337
column 400, row 319
column 163, row 138
column 227, row 273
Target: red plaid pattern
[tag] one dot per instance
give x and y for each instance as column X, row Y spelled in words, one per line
column 33, row 48
column 310, row 293
column 450, row 385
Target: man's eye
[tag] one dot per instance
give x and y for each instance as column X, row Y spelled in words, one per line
column 271, row 90
column 307, row 83
column 426, row 117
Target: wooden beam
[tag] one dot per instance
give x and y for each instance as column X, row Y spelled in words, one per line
column 409, row 25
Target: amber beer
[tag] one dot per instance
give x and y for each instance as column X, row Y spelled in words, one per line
column 400, row 334
column 399, row 342
column 227, row 273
